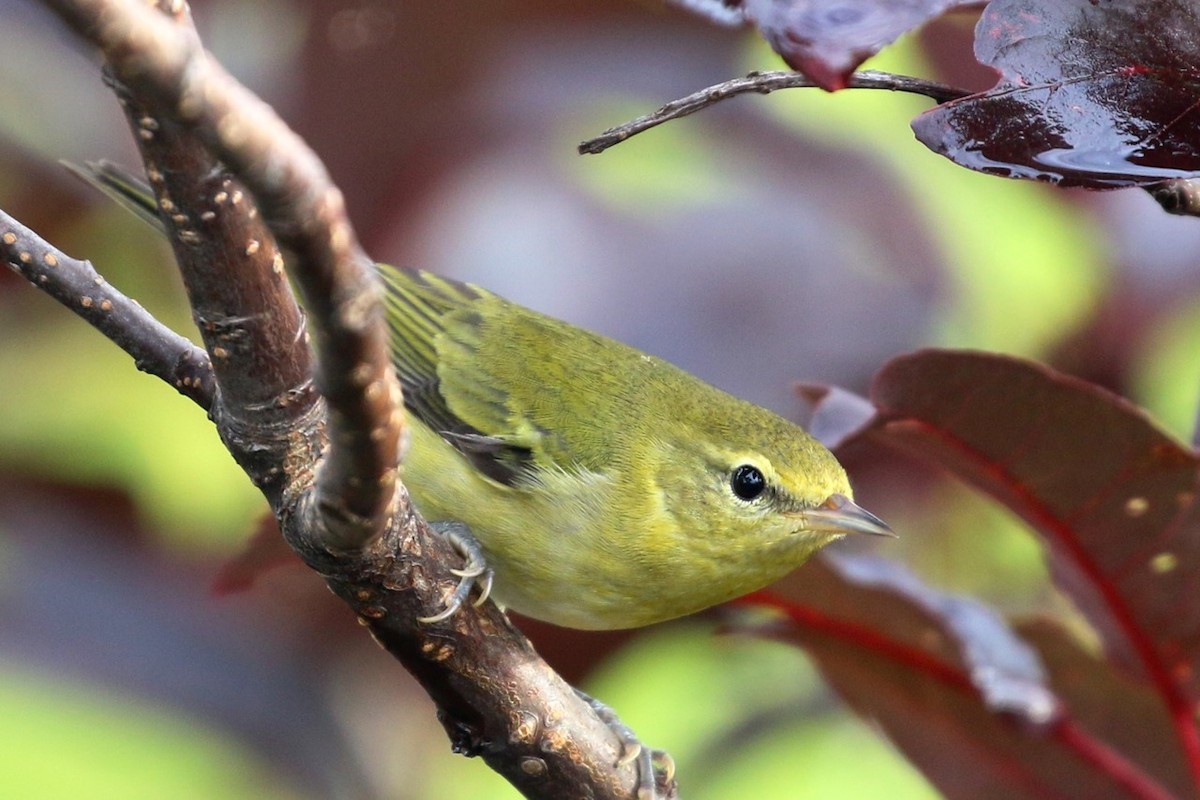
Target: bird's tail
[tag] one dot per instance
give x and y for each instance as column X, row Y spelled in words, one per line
column 130, row 191
column 416, row 299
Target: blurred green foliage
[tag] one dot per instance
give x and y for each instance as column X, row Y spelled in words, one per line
column 963, row 542
column 1027, row 268
column 61, row 738
column 677, row 167
column 1167, row 377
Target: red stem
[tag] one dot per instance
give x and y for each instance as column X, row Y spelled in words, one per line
column 1070, row 733
column 868, row 638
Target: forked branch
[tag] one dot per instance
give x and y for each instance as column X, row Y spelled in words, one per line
column 326, row 460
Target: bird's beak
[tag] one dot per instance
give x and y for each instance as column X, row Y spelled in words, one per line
column 839, row 514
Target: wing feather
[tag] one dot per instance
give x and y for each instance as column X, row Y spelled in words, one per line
column 434, row 324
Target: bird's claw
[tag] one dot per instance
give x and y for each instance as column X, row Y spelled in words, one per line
column 474, row 572
column 655, row 768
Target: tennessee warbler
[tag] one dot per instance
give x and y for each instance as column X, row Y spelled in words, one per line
column 605, row 487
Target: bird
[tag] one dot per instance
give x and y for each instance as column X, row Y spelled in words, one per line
column 587, row 484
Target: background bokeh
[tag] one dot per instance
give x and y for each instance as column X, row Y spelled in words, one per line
column 766, row 241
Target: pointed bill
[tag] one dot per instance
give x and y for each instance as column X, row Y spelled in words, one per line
column 840, row 514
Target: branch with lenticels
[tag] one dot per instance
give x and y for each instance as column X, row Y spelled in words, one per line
column 246, row 203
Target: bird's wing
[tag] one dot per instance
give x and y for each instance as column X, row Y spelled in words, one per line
column 449, row 381
column 455, row 363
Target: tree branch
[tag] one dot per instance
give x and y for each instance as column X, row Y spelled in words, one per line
column 348, row 516
column 761, row 83
column 163, row 64
column 232, row 270
column 155, row 348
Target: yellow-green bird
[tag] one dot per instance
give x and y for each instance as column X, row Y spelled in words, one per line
column 605, row 487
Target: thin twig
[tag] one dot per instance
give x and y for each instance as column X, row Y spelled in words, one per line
column 762, row 83
column 155, row 348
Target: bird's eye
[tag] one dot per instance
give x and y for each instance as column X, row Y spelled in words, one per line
column 747, row 482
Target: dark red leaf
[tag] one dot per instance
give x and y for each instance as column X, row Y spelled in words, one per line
column 1125, row 712
column 1112, row 496
column 825, row 39
column 1095, row 93
column 972, row 640
column 933, row 670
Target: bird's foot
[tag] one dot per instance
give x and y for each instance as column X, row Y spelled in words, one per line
column 655, row 768
column 475, row 572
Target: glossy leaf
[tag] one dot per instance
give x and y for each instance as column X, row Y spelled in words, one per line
column 1094, row 93
column 1113, row 497
column 834, row 414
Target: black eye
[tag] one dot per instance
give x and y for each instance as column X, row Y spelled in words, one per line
column 747, row 482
